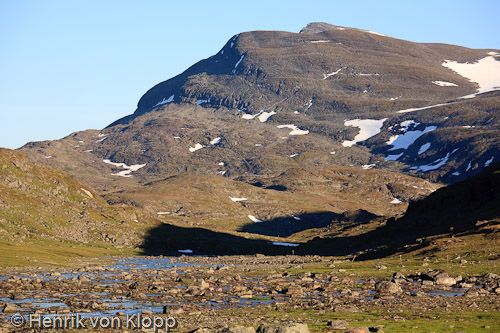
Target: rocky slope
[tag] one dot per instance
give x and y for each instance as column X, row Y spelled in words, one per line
column 293, row 122
column 468, row 209
column 40, row 204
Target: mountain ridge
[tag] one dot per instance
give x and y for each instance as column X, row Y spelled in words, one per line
column 295, row 116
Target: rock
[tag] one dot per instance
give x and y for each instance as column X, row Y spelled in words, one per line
column 237, row 329
column 491, row 276
column 203, row 330
column 358, row 330
column 283, row 328
column 387, row 287
column 10, row 308
column 471, row 293
column 338, row 324
column 346, row 309
column 204, row 284
column 445, row 281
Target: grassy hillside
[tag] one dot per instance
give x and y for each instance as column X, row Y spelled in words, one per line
column 46, row 216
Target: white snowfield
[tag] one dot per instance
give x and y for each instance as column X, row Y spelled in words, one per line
column 285, row 244
column 488, row 162
column 424, row 108
column 196, row 147
column 326, row 76
column 236, row 66
column 215, row 141
column 407, row 139
column 165, row 101
column 295, row 129
column 254, row 219
column 424, row 148
column 237, row 199
column 128, row 169
column 396, row 201
column 485, row 72
column 367, row 129
column 263, row 115
column 444, row 84
column 394, row 157
column 202, row 101
column 434, row 165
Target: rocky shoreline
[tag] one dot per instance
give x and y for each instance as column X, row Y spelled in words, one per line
column 241, row 293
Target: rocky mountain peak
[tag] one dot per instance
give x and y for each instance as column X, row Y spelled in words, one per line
column 316, row 27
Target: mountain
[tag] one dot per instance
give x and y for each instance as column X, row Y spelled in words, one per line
column 328, row 121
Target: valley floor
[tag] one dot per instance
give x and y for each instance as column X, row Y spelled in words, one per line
column 397, row 294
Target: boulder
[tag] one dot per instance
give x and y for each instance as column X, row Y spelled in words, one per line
column 445, row 281
column 387, row 287
column 10, row 308
column 338, row 324
column 237, row 329
column 283, row 328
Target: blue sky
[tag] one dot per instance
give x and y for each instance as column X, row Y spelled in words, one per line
column 67, row 66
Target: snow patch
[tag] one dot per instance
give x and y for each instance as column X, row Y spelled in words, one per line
column 469, row 166
column 285, row 244
column 488, row 162
column 185, row 251
column 320, row 41
column 434, row 165
column 456, row 173
column 444, row 84
column 237, row 199
column 393, row 157
column 264, row 116
column 485, row 72
column 295, row 129
column 294, row 155
column 165, row 101
column 423, row 108
column 326, row 76
column 128, row 169
column 215, row 141
column 239, row 61
column 424, row 148
column 375, row 33
column 254, row 219
column 367, row 129
column 407, row 139
column 392, row 139
column 201, row 101
column 368, row 166
column 396, row 201
column 195, row 148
